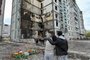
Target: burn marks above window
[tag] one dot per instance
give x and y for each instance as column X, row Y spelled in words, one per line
column 47, row 14
column 26, row 16
column 41, row 25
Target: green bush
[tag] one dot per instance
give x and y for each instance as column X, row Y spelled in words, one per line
column 88, row 34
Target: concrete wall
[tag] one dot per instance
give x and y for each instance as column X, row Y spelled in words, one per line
column 15, row 20
column 79, row 49
column 82, row 28
column 6, row 31
column 2, row 16
column 45, row 2
column 32, row 5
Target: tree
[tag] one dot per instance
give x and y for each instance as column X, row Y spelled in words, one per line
column 88, row 34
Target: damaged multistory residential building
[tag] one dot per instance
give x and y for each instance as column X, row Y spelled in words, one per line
column 31, row 18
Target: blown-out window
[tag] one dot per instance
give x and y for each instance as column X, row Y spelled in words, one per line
column 55, row 7
column 56, row 22
column 55, row 0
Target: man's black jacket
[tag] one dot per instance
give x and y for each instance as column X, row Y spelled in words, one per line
column 61, row 46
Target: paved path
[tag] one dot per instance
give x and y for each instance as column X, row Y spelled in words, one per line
column 80, row 46
column 7, row 49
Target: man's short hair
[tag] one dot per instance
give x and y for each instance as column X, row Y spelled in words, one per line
column 59, row 33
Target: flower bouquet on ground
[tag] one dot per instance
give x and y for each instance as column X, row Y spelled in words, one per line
column 25, row 55
column 20, row 55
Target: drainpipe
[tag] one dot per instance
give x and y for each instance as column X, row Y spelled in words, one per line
column 21, row 5
column 42, row 18
column 53, row 15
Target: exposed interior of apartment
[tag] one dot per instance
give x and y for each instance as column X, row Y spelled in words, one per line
column 33, row 20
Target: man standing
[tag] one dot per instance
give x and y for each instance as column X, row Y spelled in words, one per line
column 49, row 53
column 61, row 46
